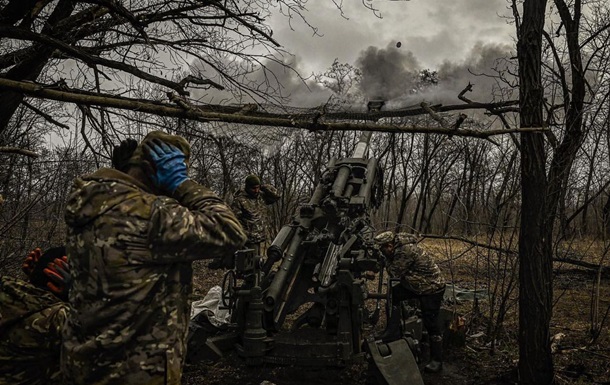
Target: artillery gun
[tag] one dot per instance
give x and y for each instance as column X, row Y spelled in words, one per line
column 315, row 275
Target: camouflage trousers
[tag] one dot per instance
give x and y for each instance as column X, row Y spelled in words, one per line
column 430, row 305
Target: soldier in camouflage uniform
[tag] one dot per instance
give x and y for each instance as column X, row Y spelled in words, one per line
column 420, row 278
column 32, row 315
column 133, row 233
column 250, row 206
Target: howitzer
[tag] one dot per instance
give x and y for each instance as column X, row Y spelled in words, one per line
column 325, row 249
column 316, row 271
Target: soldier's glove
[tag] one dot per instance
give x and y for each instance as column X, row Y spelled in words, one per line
column 30, row 262
column 59, row 275
column 168, row 161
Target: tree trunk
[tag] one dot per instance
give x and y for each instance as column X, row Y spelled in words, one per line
column 584, row 224
column 565, row 154
column 606, row 217
column 535, row 258
column 31, row 68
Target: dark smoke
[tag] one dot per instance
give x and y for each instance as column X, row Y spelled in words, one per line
column 393, row 74
column 481, row 68
column 387, row 73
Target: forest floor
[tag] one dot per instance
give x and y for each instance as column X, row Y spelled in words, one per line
column 472, row 356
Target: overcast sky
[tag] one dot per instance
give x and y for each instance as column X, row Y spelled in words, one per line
column 437, row 34
column 434, row 30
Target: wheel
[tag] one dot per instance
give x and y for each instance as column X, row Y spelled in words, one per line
column 229, row 283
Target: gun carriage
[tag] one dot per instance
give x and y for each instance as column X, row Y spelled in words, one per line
column 315, row 275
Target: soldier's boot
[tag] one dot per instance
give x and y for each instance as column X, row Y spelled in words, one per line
column 436, row 355
column 392, row 330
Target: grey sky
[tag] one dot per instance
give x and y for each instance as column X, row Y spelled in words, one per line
column 452, row 37
column 433, row 30
column 449, row 36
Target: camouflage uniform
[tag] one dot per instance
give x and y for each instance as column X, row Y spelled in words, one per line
column 131, row 256
column 420, row 277
column 416, row 269
column 31, row 320
column 252, row 213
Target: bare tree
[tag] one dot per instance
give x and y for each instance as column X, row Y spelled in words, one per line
column 535, row 264
column 130, row 48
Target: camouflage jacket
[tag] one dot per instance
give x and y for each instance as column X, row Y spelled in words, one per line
column 31, row 320
column 416, row 269
column 252, row 212
column 131, row 256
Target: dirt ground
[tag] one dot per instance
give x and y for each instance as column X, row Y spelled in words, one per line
column 470, row 358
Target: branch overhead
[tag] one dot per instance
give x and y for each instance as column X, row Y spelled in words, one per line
column 137, row 46
column 206, row 113
column 19, row 151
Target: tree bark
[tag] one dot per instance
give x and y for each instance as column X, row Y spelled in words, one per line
column 30, row 68
column 535, row 254
column 565, row 154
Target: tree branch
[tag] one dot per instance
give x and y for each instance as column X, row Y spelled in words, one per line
column 591, row 266
column 20, row 33
column 571, row 261
column 204, row 114
column 19, row 151
column 46, row 116
column 426, row 107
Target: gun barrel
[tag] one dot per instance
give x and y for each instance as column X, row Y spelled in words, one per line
column 345, row 170
column 369, row 182
column 317, row 195
column 282, row 238
column 279, row 283
column 363, row 145
column 290, row 240
column 340, row 181
column 276, row 250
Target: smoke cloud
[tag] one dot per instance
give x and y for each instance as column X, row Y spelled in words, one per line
column 299, row 90
column 393, row 74
column 279, row 81
column 387, row 73
column 484, row 68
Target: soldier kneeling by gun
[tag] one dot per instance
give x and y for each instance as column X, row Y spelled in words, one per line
column 420, row 278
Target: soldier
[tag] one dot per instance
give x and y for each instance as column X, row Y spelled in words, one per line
column 420, row 278
column 249, row 205
column 32, row 315
column 133, row 233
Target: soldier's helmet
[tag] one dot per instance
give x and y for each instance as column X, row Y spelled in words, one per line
column 384, row 238
column 406, row 238
column 253, row 180
column 175, row 140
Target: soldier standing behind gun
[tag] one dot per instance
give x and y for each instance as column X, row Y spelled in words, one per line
column 133, row 233
column 420, row 278
column 250, row 206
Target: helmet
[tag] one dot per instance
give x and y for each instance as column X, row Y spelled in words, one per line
column 385, row 237
column 253, row 180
